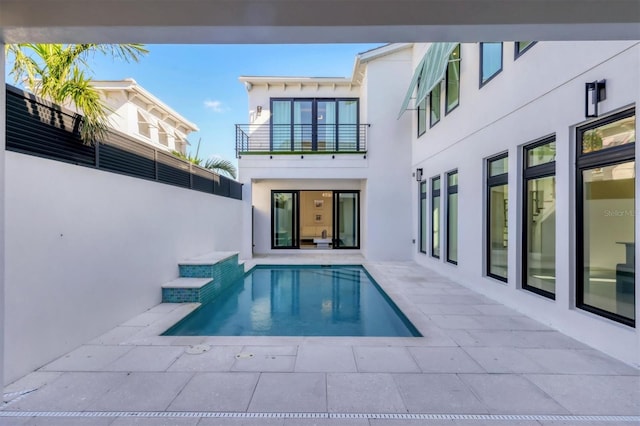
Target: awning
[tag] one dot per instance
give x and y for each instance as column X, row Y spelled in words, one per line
column 429, row 72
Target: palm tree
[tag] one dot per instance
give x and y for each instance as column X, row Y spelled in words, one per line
column 58, row 72
column 221, row 166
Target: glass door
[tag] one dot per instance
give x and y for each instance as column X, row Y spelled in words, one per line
column 326, row 126
column 346, row 208
column 302, row 125
column 284, row 219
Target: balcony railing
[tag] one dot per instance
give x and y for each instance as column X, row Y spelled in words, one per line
column 301, row 138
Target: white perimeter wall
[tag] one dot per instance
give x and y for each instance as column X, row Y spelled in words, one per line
column 87, row 250
column 540, row 94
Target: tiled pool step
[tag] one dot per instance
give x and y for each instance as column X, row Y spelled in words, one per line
column 202, row 278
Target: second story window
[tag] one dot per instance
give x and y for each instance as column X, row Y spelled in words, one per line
column 453, row 81
column 329, row 125
column 490, row 61
column 520, row 47
column 434, row 105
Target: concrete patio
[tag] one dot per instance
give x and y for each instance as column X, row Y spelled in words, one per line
column 480, row 363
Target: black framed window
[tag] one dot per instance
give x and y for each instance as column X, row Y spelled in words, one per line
column 422, row 117
column 605, row 228
column 285, row 216
column 519, row 47
column 452, row 217
column 497, row 211
column 434, row 105
column 490, row 61
column 423, row 217
column 539, row 218
column 452, row 95
column 435, row 217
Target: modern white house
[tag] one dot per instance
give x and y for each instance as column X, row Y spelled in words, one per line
column 509, row 167
column 139, row 114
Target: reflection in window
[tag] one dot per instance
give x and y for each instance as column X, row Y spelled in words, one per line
column 434, row 105
column 423, row 216
column 435, row 217
column 521, row 47
column 453, row 80
column 452, row 217
column 422, row 117
column 490, row 61
column 497, row 226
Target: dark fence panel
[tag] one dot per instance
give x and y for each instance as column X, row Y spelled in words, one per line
column 36, row 127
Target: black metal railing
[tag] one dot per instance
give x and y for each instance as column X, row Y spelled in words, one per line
column 36, row 127
column 307, row 138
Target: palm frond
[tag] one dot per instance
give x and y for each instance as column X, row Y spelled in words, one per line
column 221, row 166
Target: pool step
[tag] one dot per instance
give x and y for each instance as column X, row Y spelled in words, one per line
column 202, row 278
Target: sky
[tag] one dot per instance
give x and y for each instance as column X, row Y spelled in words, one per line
column 200, row 82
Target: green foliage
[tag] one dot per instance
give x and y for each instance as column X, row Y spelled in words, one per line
column 217, row 165
column 58, row 72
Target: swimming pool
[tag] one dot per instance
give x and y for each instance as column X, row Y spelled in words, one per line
column 299, row 301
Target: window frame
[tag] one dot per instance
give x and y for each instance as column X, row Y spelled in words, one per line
column 532, row 173
column 435, row 193
column 516, row 50
column 431, row 122
column 585, row 161
column 499, row 180
column 450, row 189
column 422, row 110
column 422, row 195
column 485, row 82
column 458, row 61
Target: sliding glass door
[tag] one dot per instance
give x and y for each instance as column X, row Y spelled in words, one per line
column 346, row 205
column 284, row 219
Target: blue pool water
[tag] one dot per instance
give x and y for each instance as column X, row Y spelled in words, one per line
column 299, row 301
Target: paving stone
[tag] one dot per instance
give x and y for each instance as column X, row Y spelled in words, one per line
column 116, row 336
column 69, row 421
column 34, row 380
column 286, row 392
column 265, row 363
column 142, row 392
column 146, row 358
column 511, row 394
column 363, row 393
column 87, row 358
column 216, row 392
column 504, row 360
column 580, row 361
column 211, row 421
column 384, row 359
column 326, row 422
column 319, row 358
column 449, row 309
column 271, row 350
column 524, row 339
column 155, row 421
column 437, row 393
column 445, row 360
column 585, row 395
column 218, row 358
column 144, row 319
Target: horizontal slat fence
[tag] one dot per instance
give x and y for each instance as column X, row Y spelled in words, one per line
column 37, row 127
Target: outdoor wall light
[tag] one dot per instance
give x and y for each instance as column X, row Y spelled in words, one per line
column 419, row 175
column 258, row 110
column 594, row 92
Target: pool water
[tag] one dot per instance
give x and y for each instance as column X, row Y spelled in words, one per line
column 299, row 301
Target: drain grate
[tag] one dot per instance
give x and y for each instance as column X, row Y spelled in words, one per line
column 197, row 349
column 285, row 415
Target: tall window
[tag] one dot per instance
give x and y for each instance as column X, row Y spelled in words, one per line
column 490, row 61
column 539, row 245
column 434, row 105
column 606, row 217
column 497, row 204
column 522, row 46
column 452, row 217
column 453, row 81
column 422, row 117
column 435, row 216
column 423, row 216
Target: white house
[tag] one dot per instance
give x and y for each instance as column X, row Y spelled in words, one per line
column 509, row 167
column 139, row 114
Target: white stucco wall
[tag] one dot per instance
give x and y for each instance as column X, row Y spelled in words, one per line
column 87, row 250
column 3, row 127
column 540, row 94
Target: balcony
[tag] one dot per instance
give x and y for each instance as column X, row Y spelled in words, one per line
column 301, row 139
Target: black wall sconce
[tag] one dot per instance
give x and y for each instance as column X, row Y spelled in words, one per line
column 594, row 92
column 419, row 175
column 258, row 111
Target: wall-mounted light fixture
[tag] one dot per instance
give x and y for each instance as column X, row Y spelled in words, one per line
column 419, row 175
column 594, row 92
column 258, row 110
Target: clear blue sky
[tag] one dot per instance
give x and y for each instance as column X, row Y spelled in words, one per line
column 190, row 77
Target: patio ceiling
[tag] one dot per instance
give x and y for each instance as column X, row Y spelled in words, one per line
column 307, row 21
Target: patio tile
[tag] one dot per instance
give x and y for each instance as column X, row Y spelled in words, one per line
column 70, row 421
column 265, row 363
column 144, row 319
column 524, row 339
column 87, row 358
column 437, row 393
column 312, row 358
column 504, row 360
column 384, row 359
column 116, row 336
column 296, row 392
column 70, row 392
column 146, row 358
column 445, row 360
column 583, row 395
column 363, row 393
column 14, row 421
column 581, row 361
column 511, row 394
column 451, row 309
column 142, row 392
column 326, row 422
column 34, row 380
column 271, row 350
column 218, row 358
column 211, row 421
column 155, row 421
column 498, row 310
column 216, row 392
column 164, row 308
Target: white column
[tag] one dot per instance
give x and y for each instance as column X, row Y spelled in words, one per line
column 3, row 107
column 246, row 248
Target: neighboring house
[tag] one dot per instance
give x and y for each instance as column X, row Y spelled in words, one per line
column 499, row 172
column 138, row 113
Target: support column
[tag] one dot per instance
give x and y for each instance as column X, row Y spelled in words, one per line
column 3, row 114
column 246, row 248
